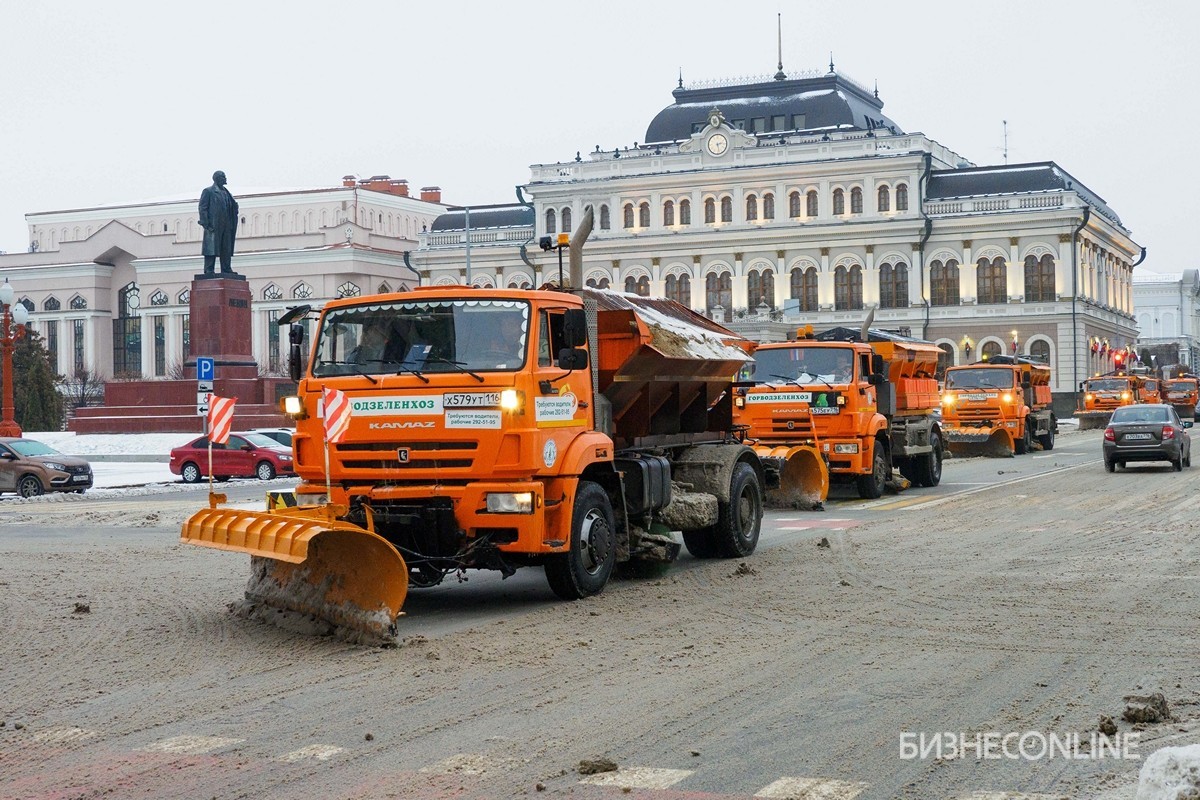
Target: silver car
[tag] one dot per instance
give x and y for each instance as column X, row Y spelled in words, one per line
column 1147, row 432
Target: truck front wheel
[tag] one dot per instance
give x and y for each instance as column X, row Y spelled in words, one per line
column 1025, row 443
column 871, row 485
column 928, row 467
column 740, row 520
column 585, row 568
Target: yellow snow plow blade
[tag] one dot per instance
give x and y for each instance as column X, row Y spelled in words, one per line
column 990, row 442
column 803, row 475
column 306, row 562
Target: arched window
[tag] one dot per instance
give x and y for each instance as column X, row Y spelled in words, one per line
column 893, row 285
column 685, row 212
column 551, row 223
column 718, row 291
column 272, row 292
column 760, row 289
column 768, row 206
column 128, row 300
column 856, row 205
column 668, row 214
column 565, row 216
column 902, row 197
column 847, row 288
column 943, row 283
column 810, row 201
column 594, row 283
column 804, row 288
column 78, row 303
column 302, row 291
column 990, row 350
column 644, row 215
column 1039, row 279
column 159, row 298
column 629, row 215
column 992, row 279
column 348, row 289
column 679, row 289
column 185, row 296
column 1039, row 350
column 839, row 203
column 885, row 199
column 710, row 210
column 794, row 205
column 605, row 222
column 751, row 208
column 727, row 209
column 384, row 288
column 51, row 304
column 642, row 288
column 945, row 359
column 630, row 285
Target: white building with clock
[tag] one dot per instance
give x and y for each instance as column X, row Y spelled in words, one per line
column 794, row 199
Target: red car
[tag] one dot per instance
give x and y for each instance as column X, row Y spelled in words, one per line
column 244, row 455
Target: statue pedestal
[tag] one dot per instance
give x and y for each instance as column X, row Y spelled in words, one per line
column 220, row 326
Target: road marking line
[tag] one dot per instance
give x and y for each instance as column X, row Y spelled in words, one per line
column 639, row 778
column 191, row 745
column 63, row 735
column 318, row 752
column 812, row 789
column 989, row 487
column 467, row 764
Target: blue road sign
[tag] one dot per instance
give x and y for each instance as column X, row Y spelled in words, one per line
column 206, row 369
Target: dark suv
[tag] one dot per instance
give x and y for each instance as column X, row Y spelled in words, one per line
column 30, row 468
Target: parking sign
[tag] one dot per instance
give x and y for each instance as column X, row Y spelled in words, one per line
column 206, row 368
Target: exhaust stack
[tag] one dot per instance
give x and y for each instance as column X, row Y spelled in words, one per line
column 576, row 248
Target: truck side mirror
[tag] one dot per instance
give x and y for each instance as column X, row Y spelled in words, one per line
column 877, row 364
column 295, row 339
column 574, row 328
column 875, row 379
column 572, row 359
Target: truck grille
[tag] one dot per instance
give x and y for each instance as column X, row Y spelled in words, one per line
column 981, row 414
column 381, row 459
column 789, row 428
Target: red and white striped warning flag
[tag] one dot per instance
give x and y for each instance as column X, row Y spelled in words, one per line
column 220, row 418
column 337, row 415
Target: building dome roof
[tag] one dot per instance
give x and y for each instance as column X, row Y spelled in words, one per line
column 812, row 102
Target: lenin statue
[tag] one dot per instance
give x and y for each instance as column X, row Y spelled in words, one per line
column 219, row 219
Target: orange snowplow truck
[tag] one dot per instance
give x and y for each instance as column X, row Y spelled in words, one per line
column 998, row 407
column 1101, row 395
column 498, row 429
column 863, row 406
column 1182, row 392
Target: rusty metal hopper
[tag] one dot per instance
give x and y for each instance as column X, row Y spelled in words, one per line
column 665, row 369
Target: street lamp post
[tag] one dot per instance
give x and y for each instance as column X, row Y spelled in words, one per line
column 12, row 328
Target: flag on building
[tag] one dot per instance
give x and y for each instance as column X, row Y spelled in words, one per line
column 220, row 418
column 337, row 415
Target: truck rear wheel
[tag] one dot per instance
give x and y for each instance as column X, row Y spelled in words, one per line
column 1047, row 439
column 585, row 568
column 700, row 543
column 740, row 520
column 870, row 486
column 927, row 468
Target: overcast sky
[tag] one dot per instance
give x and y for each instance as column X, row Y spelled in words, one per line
column 121, row 101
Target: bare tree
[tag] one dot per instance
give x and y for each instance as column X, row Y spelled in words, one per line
column 85, row 387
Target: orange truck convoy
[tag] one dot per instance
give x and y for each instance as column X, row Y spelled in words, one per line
column 998, row 407
column 1104, row 393
column 496, row 429
column 861, row 401
column 1182, row 392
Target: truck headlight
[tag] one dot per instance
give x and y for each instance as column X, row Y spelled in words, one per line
column 948, row 399
column 1007, row 397
column 739, row 401
column 1089, row 396
column 292, row 406
column 1124, row 395
column 510, row 502
column 845, row 448
column 511, row 400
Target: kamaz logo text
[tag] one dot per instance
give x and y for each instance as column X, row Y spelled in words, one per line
column 379, row 426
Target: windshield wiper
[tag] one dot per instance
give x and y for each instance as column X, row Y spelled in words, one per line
column 354, row 365
column 457, row 365
column 809, row 374
column 409, row 370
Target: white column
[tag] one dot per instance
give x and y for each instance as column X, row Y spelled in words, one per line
column 740, row 288
column 825, row 288
column 870, row 280
column 697, row 285
column 1016, row 273
column 783, row 281
column 969, row 285
column 918, row 276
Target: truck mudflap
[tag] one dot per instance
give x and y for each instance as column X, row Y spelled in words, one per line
column 797, row 476
column 307, row 561
column 1090, row 420
column 991, row 442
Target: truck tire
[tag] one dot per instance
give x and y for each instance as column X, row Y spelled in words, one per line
column 701, row 543
column 1047, row 439
column 586, row 566
column 1025, row 443
column 870, row 486
column 740, row 520
column 927, row 468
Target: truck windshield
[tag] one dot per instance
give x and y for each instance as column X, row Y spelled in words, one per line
column 1110, row 385
column 802, row 365
column 982, row 378
column 1181, row 386
column 423, row 336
